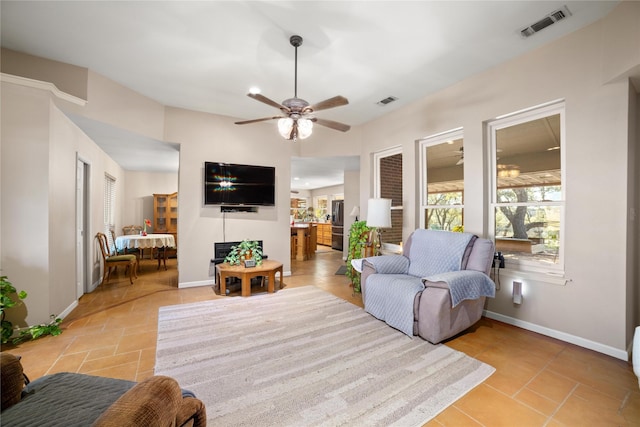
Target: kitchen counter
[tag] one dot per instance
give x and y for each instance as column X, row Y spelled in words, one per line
column 304, row 240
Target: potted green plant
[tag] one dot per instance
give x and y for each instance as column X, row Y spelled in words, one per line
column 358, row 239
column 247, row 249
column 7, row 293
column 36, row 331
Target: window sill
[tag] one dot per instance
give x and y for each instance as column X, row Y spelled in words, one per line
column 390, row 249
column 550, row 277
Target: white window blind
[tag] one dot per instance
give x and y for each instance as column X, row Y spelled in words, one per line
column 109, row 207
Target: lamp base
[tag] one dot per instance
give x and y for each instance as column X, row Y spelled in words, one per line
column 376, row 240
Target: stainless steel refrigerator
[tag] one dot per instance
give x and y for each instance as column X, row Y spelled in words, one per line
column 337, row 224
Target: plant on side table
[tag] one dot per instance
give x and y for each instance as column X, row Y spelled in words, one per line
column 247, row 249
column 7, row 292
column 358, row 239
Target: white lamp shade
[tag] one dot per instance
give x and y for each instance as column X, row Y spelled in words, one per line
column 305, row 128
column 379, row 213
column 355, row 211
column 285, row 126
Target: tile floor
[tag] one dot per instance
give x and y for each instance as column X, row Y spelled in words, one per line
column 539, row 381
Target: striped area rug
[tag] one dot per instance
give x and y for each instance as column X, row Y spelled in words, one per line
column 303, row 357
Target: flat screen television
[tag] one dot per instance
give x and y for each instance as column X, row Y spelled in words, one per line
column 229, row 184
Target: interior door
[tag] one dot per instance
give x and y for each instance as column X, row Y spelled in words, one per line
column 81, row 223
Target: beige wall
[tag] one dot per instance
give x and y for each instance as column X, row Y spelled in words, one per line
column 66, row 77
column 39, row 149
column 589, row 309
column 25, row 207
column 633, row 237
column 206, row 137
column 351, row 199
column 586, row 69
column 138, row 195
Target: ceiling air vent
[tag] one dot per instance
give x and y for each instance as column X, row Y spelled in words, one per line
column 387, row 100
column 550, row 19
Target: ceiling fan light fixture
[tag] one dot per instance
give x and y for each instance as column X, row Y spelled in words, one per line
column 305, row 128
column 295, row 129
column 508, row 171
column 293, row 123
column 285, row 126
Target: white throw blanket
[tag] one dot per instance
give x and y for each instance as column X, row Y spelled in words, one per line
column 390, row 297
column 465, row 284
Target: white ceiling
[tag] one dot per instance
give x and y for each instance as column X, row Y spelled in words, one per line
column 206, row 55
column 308, row 173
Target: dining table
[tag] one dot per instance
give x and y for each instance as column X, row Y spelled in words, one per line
column 147, row 241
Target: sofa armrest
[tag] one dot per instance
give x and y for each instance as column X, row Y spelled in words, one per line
column 387, row 264
column 462, row 285
column 192, row 409
column 437, row 320
column 155, row 401
column 12, row 379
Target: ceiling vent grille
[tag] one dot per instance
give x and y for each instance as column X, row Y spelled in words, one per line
column 550, row 19
column 387, row 100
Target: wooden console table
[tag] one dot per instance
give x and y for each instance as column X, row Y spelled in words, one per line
column 268, row 268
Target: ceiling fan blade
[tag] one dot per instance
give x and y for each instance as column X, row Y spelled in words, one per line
column 331, row 124
column 336, row 101
column 244, row 122
column 267, row 101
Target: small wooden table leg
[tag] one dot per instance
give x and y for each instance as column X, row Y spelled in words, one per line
column 281, row 282
column 272, row 279
column 222, row 277
column 246, row 285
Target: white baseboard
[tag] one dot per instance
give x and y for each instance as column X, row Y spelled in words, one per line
column 62, row 315
column 68, row 310
column 183, row 285
column 562, row 336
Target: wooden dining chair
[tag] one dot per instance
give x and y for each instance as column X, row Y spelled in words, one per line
column 112, row 260
column 129, row 230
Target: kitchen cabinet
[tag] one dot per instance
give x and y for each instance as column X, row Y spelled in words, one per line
column 324, row 234
column 298, row 208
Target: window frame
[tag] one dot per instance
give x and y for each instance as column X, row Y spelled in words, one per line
column 109, row 209
column 423, row 145
column 523, row 116
column 377, row 156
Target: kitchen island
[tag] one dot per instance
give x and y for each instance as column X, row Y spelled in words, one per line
column 304, row 240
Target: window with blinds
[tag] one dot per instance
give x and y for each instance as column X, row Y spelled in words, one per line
column 109, row 207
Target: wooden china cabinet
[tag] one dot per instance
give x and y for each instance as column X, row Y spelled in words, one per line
column 165, row 214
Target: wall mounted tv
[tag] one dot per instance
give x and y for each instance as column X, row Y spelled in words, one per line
column 229, row 184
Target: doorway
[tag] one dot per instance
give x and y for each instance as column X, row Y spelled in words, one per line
column 82, row 209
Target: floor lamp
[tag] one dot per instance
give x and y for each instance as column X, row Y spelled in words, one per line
column 378, row 216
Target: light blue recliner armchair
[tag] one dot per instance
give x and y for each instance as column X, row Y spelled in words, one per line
column 436, row 289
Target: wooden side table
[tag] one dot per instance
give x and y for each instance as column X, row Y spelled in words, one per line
column 268, row 268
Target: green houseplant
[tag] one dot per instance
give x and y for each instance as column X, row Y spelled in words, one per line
column 36, row 331
column 358, row 239
column 7, row 292
column 247, row 249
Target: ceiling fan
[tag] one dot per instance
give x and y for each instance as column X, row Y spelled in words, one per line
column 296, row 120
column 460, row 152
